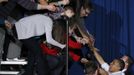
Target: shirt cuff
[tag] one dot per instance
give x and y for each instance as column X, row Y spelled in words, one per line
column 105, row 66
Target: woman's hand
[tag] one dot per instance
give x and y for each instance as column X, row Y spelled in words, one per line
column 84, row 60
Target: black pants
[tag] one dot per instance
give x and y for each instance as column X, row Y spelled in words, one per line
column 35, row 58
column 5, row 46
column 57, row 64
column 8, row 39
column 36, row 61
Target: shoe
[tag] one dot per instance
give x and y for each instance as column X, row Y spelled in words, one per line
column 15, row 59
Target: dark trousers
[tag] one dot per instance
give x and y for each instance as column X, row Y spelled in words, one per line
column 35, row 58
column 57, row 64
column 8, row 39
column 6, row 45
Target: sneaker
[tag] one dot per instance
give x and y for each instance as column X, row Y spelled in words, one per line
column 15, row 59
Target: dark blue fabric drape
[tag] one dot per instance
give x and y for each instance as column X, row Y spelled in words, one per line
column 112, row 24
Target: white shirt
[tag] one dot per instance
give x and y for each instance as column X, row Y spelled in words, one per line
column 36, row 25
column 124, row 70
column 105, row 66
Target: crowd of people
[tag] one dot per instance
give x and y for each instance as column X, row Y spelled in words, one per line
column 51, row 30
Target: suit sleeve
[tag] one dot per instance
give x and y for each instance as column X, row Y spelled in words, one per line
column 7, row 9
column 27, row 4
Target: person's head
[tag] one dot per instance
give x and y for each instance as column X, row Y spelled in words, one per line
column 128, row 60
column 59, row 30
column 69, row 12
column 86, row 9
column 91, row 68
column 116, row 65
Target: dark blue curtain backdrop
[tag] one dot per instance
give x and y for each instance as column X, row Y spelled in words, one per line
column 112, row 24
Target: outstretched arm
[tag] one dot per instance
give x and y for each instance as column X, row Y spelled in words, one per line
column 102, row 72
column 85, row 34
column 98, row 56
column 49, row 38
column 29, row 5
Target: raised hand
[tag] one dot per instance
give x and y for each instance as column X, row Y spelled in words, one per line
column 65, row 2
column 84, row 60
column 91, row 41
column 51, row 7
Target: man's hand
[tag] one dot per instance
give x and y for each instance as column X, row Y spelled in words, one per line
column 91, row 41
column 79, row 39
column 51, row 7
column 84, row 60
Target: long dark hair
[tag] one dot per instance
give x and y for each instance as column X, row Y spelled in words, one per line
column 59, row 30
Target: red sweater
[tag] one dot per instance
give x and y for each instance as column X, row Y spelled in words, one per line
column 49, row 51
column 74, row 45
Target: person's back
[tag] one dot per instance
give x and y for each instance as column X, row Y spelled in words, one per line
column 36, row 25
column 32, row 26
